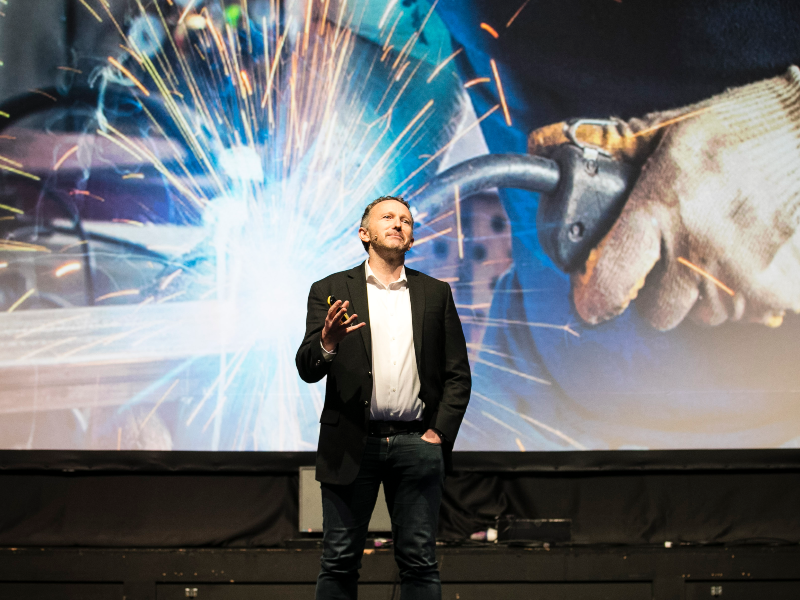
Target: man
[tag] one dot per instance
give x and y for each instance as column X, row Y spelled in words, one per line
column 397, row 389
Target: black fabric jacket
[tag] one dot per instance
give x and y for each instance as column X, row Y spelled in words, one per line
column 442, row 364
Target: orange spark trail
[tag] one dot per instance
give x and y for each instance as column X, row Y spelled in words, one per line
column 713, row 279
column 45, row 94
column 66, row 155
column 516, row 14
column 433, row 236
column 129, row 75
column 117, row 295
column 440, row 217
column 677, row 119
column 500, row 89
column 442, row 65
column 476, row 81
column 490, row 29
column 87, row 194
column 70, row 267
column 246, row 83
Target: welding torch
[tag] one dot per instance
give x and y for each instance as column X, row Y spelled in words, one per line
column 582, row 191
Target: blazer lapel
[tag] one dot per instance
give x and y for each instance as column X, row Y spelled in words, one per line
column 357, row 286
column 416, row 292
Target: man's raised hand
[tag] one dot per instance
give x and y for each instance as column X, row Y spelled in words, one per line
column 335, row 328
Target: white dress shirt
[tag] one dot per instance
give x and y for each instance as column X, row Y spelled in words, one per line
column 395, row 380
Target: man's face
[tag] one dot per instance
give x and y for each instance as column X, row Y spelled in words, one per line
column 390, row 228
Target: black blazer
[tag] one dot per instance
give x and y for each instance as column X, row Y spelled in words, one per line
column 442, row 364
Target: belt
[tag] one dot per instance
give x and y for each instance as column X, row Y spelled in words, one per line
column 389, row 428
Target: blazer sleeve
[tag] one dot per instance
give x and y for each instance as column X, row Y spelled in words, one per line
column 457, row 376
column 311, row 365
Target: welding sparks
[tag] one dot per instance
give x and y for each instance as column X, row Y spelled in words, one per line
column 433, row 236
column 506, row 113
column 271, row 141
column 21, row 299
column 491, row 30
column 516, row 14
column 672, row 121
column 442, row 65
column 70, row 267
column 92, row 11
column 476, row 81
column 45, row 94
column 12, row 209
column 707, row 275
column 129, row 75
column 64, row 157
column 118, row 294
column 158, row 404
column 19, row 172
column 560, row 434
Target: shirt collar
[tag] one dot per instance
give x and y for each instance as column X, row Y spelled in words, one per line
column 371, row 276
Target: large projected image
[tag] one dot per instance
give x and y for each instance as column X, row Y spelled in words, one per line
column 618, row 223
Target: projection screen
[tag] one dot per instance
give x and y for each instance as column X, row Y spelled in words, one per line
column 175, row 175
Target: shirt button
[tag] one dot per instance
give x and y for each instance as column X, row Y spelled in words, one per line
column 394, row 390
column 394, row 363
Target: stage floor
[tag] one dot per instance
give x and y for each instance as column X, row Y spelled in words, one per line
column 492, row 571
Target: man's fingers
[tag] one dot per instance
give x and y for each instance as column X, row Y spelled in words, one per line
column 354, row 327
column 334, row 308
column 350, row 320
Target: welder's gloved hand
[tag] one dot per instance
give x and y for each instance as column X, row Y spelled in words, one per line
column 710, row 229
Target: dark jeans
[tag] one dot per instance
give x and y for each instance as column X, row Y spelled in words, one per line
column 412, row 472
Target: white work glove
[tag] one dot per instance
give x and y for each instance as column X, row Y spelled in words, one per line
column 710, row 229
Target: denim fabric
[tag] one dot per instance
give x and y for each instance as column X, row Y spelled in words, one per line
column 412, row 472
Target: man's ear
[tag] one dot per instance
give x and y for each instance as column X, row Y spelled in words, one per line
column 363, row 234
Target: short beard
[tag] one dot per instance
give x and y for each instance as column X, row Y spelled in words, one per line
column 387, row 252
